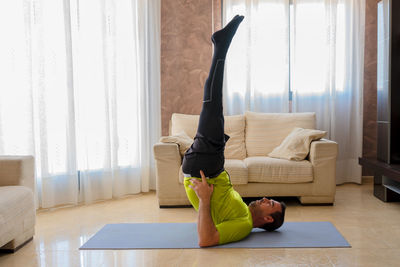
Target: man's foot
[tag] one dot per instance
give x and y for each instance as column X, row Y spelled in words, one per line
column 225, row 35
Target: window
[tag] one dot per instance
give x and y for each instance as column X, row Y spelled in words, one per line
column 285, row 47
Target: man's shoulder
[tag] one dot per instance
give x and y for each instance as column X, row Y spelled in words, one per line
column 234, row 230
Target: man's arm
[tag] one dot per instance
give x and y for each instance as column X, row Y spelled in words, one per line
column 207, row 232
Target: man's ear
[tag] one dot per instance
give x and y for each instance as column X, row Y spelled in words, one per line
column 268, row 219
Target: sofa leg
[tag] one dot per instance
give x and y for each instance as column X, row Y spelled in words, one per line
column 19, row 241
column 11, row 249
column 317, row 200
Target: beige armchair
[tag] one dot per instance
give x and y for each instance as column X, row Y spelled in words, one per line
column 252, row 172
column 17, row 205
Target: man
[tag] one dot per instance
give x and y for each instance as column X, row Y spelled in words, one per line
column 223, row 216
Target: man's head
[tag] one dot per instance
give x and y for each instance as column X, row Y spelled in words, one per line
column 267, row 213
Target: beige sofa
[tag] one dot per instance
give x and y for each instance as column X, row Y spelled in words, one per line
column 17, row 205
column 253, row 174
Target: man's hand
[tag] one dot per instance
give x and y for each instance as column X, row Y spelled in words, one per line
column 208, row 234
column 203, row 189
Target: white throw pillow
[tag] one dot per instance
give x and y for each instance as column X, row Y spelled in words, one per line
column 296, row 145
column 182, row 139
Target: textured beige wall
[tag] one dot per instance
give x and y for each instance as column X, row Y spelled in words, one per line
column 186, row 51
column 370, row 101
column 217, row 19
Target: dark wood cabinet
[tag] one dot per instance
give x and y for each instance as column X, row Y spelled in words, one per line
column 386, row 179
column 388, row 81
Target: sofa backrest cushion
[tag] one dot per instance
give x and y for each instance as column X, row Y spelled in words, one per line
column 234, row 127
column 185, row 123
column 265, row 131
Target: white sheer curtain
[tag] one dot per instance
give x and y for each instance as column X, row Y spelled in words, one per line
column 327, row 77
column 257, row 64
column 80, row 91
column 314, row 48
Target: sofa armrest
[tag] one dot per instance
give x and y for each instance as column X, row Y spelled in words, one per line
column 17, row 170
column 167, row 153
column 323, row 149
column 168, row 162
column 322, row 156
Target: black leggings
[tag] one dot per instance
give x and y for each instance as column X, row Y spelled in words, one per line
column 207, row 150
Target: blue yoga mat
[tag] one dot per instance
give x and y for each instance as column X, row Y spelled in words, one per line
column 184, row 235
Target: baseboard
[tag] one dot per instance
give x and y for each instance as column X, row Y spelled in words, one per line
column 174, row 206
column 316, row 204
column 367, row 179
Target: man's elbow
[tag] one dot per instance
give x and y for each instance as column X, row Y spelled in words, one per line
column 209, row 242
column 204, row 244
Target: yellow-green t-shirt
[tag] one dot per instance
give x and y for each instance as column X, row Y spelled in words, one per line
column 231, row 216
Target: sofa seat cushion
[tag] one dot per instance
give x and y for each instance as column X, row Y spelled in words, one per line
column 272, row 170
column 236, row 169
column 16, row 202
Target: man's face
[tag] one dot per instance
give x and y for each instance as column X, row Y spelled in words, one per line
column 265, row 206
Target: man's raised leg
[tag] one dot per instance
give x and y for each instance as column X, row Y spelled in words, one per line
column 211, row 122
column 207, row 150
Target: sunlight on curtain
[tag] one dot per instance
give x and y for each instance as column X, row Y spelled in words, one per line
column 52, row 113
column 16, row 128
column 77, row 95
column 317, row 46
column 327, row 60
column 311, row 51
column 312, row 47
column 257, row 65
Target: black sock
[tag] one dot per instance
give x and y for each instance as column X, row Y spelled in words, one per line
column 222, row 38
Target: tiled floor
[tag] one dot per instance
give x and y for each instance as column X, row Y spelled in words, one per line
column 371, row 226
